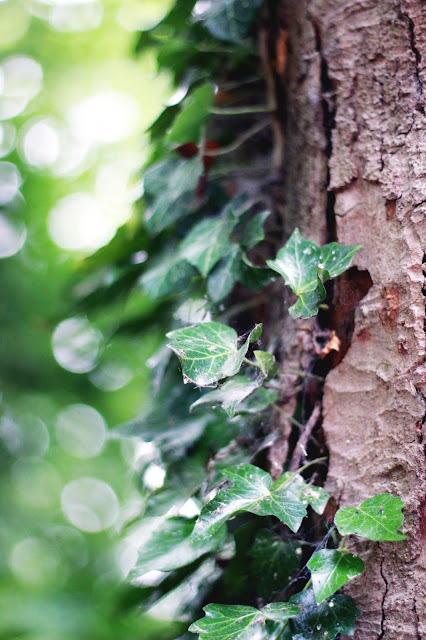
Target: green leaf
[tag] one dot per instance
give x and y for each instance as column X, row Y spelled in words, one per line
column 254, row 233
column 256, row 333
column 169, row 275
column 265, row 360
column 304, row 267
column 188, row 124
column 168, row 548
column 223, row 278
column 377, row 518
column 231, row 19
column 274, row 563
column 251, row 490
column 169, row 189
column 336, row 258
column 325, row 620
column 331, row 569
column 207, row 243
column 208, row 351
column 316, row 497
column 237, row 622
column 230, row 394
column 258, row 401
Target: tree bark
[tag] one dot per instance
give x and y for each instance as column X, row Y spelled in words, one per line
column 355, row 170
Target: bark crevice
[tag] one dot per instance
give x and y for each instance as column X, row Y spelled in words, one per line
column 385, row 593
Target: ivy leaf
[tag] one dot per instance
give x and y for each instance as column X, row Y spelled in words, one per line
column 377, row 518
column 169, row 189
column 207, row 243
column 238, row 622
column 258, row 401
column 254, row 233
column 208, row 351
column 266, row 361
column 231, row 19
column 305, row 266
column 168, row 548
column 331, row 569
column 316, row 497
column 336, row 258
column 331, row 617
column 252, row 490
column 274, row 562
column 222, row 280
column 188, row 123
column 169, row 275
column 230, row 394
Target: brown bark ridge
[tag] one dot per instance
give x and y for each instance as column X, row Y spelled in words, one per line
column 355, row 167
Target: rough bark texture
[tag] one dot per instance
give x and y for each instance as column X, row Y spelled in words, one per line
column 355, row 168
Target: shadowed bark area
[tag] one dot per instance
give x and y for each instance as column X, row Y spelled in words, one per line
column 355, row 171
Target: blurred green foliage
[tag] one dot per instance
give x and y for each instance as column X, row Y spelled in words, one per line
column 58, row 580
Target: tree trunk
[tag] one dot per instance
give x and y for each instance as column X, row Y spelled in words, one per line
column 354, row 126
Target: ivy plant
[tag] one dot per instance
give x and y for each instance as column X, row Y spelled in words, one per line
column 201, row 253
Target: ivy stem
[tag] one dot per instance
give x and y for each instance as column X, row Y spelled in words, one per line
column 240, row 140
column 252, row 363
column 287, row 416
column 307, row 585
column 298, row 472
column 236, row 111
column 243, row 306
column 300, row 374
column 282, row 629
column 342, row 547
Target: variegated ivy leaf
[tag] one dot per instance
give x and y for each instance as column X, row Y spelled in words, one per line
column 168, row 548
column 377, row 518
column 251, row 490
column 316, row 497
column 230, row 394
column 230, row 19
column 208, row 351
column 330, row 569
column 238, row 622
column 326, row 620
column 305, row 267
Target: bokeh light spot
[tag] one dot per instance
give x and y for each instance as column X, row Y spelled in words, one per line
column 10, row 181
column 81, row 430
column 76, row 344
column 7, row 138
column 90, row 504
column 77, row 223
column 36, row 482
column 24, row 435
column 70, row 15
column 12, row 236
column 107, row 117
column 35, row 562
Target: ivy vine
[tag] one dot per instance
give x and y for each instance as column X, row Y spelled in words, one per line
column 261, row 547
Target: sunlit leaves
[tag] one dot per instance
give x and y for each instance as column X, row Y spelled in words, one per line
column 330, row 569
column 168, row 548
column 188, row 124
column 237, row 622
column 231, row 19
column 377, row 518
column 305, row 267
column 169, row 189
column 325, row 620
column 251, row 490
column 208, row 351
